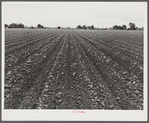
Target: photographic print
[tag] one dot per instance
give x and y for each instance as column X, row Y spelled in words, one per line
column 75, row 57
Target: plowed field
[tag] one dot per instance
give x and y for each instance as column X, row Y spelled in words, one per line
column 73, row 69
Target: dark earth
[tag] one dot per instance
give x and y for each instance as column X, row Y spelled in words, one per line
column 73, row 69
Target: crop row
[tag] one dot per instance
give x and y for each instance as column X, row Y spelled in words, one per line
column 127, row 40
column 63, row 69
column 12, row 36
column 20, row 78
column 69, row 84
column 120, row 56
column 125, row 86
column 19, row 56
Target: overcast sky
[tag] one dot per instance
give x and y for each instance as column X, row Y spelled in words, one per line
column 71, row 14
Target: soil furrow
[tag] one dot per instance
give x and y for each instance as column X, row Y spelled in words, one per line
column 122, row 60
column 50, row 84
column 16, row 59
column 102, row 97
column 30, row 101
column 116, row 81
column 22, row 77
column 114, row 48
column 21, row 46
column 73, row 69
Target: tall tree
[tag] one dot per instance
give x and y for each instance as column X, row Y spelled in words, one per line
column 79, row 27
column 124, row 27
column 21, row 25
column 6, row 26
column 89, row 27
column 16, row 25
column 39, row 25
column 132, row 26
column 59, row 27
column 115, row 27
column 92, row 27
column 84, row 27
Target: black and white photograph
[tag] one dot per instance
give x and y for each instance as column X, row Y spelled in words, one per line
column 74, row 61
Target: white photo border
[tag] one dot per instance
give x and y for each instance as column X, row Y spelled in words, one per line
column 74, row 115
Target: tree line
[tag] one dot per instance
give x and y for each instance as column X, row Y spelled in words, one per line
column 132, row 26
column 14, row 25
column 85, row 27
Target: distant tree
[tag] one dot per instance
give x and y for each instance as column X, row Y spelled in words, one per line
column 132, row 26
column 79, row 27
column 39, row 26
column 89, row 27
column 14, row 25
column 84, row 27
column 21, row 25
column 6, row 26
column 58, row 27
column 120, row 27
column 142, row 28
column 92, row 27
column 115, row 27
column 137, row 28
column 124, row 27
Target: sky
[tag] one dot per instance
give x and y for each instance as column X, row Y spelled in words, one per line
column 72, row 14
